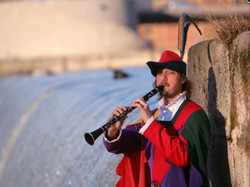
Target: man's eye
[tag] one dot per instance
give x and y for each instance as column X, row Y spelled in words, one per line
column 159, row 72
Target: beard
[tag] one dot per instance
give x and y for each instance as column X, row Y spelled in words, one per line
column 164, row 92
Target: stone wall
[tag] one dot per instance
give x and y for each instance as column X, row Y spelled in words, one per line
column 222, row 88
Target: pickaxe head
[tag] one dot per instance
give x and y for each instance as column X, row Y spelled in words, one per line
column 184, row 23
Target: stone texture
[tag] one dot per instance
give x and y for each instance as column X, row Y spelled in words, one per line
column 221, row 84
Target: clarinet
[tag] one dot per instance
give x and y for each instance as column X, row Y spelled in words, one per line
column 92, row 136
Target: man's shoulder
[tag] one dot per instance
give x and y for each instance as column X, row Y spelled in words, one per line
column 191, row 105
column 195, row 111
column 187, row 109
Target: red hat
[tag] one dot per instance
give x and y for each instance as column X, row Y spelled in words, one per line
column 169, row 60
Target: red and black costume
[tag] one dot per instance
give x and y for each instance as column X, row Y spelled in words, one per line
column 175, row 152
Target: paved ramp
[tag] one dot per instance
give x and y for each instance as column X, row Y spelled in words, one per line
column 43, row 120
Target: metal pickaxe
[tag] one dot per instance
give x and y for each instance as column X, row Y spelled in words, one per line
column 184, row 23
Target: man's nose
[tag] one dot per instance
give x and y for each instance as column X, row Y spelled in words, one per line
column 165, row 77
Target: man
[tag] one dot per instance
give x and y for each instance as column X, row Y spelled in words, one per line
column 167, row 146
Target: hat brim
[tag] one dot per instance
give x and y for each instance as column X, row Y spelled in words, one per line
column 178, row 66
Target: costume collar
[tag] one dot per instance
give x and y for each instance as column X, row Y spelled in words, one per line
column 180, row 97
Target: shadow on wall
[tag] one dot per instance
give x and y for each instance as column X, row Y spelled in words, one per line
column 218, row 167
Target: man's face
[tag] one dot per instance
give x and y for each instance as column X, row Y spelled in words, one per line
column 172, row 82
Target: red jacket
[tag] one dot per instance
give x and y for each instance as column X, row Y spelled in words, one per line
column 169, row 149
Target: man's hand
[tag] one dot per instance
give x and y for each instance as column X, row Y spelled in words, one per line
column 144, row 108
column 113, row 130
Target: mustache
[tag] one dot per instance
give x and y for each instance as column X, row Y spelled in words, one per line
column 163, row 93
column 164, row 84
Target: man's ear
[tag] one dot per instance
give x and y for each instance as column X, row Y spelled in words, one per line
column 183, row 78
